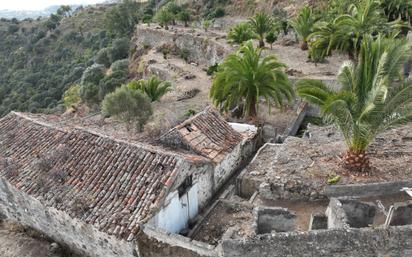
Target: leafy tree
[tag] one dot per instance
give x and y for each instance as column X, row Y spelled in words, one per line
column 240, row 33
column 103, row 57
column 261, row 24
column 147, row 18
column 153, row 87
column 184, row 16
column 303, row 24
column 122, row 18
column 271, row 37
column 370, row 99
column 110, row 82
column 72, row 97
column 164, row 17
column 246, row 76
column 13, row 28
column 120, row 49
column 93, row 74
column 64, row 10
column 120, row 65
column 89, row 93
column 129, row 106
column 174, row 9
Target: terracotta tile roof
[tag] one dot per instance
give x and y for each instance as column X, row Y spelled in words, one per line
column 206, row 133
column 111, row 184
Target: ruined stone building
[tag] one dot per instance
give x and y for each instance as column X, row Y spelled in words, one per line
column 92, row 192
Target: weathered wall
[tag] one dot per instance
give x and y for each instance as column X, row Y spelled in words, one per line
column 177, row 211
column 233, row 161
column 365, row 242
column 156, row 243
column 60, row 227
column 203, row 50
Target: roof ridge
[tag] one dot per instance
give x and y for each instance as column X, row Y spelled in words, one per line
column 146, row 147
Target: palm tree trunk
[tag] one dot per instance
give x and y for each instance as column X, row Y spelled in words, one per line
column 252, row 108
column 261, row 42
column 304, row 46
column 357, row 161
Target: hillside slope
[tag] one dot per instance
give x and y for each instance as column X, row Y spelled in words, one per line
column 40, row 62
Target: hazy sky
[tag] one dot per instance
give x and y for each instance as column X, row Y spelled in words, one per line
column 39, row 4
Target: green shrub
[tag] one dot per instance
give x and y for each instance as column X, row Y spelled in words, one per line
column 89, row 93
column 103, row 57
column 109, row 83
column 93, row 74
column 240, row 33
column 120, row 65
column 120, row 49
column 185, row 54
column 71, row 97
column 212, row 69
column 129, row 106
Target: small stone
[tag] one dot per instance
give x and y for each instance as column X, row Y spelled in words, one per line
column 54, row 248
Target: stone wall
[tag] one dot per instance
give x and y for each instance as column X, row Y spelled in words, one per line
column 157, row 243
column 365, row 242
column 77, row 235
column 239, row 156
column 203, row 50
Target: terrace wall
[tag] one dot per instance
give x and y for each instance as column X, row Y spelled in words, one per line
column 365, row 242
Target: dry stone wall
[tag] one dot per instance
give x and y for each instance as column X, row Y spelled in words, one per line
column 203, row 50
column 365, row 242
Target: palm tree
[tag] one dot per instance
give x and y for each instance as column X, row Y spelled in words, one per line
column 345, row 33
column 261, row 24
column 164, row 17
column 240, row 33
column 246, row 76
column 184, row 16
column 153, row 87
column 395, row 9
column 371, row 99
column 303, row 25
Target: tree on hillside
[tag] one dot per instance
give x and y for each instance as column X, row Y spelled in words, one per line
column 261, row 24
column 271, row 37
column 184, row 16
column 245, row 77
column 303, row 25
column 120, row 21
column 346, row 32
column 129, row 106
column 164, row 17
column 153, row 87
column 240, row 33
column 64, row 10
column 370, row 101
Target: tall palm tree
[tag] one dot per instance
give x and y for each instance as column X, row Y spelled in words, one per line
column 262, row 24
column 371, row 99
column 153, row 87
column 303, row 25
column 345, row 32
column 246, row 76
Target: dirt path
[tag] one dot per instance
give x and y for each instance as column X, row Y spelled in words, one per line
column 16, row 241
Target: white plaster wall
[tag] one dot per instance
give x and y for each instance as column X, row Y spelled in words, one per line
column 177, row 211
column 59, row 226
